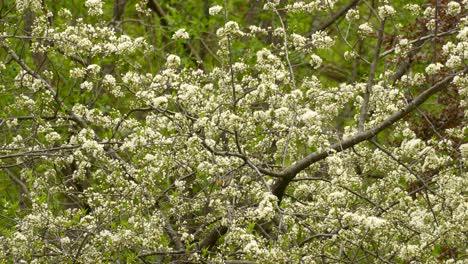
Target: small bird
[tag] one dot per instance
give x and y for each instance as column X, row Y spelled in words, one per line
column 219, row 182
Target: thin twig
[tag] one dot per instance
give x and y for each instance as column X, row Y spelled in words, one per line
column 370, row 81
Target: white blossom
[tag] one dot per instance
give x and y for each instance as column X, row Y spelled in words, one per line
column 172, row 61
column 109, row 80
column 348, row 55
column 181, row 34
column 434, row 68
column 214, row 10
column 87, row 86
column 53, row 137
column 386, row 11
column 464, row 150
column 403, row 47
column 298, row 40
column 453, row 8
column 366, row 28
column 158, row 101
column 77, row 73
column 415, row 9
column 352, row 15
column 94, row 7
column 429, row 12
column 315, row 61
column 321, row 40
column 22, row 5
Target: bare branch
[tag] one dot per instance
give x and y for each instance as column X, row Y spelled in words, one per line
column 336, row 16
column 370, row 79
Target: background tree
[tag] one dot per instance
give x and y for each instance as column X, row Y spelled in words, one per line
column 233, row 132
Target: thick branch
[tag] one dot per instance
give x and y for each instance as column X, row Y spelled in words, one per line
column 289, row 173
column 25, row 195
column 39, row 152
column 212, row 237
column 337, row 16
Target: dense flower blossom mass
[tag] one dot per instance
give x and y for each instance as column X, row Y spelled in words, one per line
column 312, row 131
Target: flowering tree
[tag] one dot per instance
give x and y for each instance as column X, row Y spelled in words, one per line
column 233, row 132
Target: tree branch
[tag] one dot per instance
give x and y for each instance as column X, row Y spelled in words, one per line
column 336, row 16
column 370, row 81
column 289, row 173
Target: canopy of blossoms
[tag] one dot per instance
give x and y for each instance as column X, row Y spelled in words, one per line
column 316, row 131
